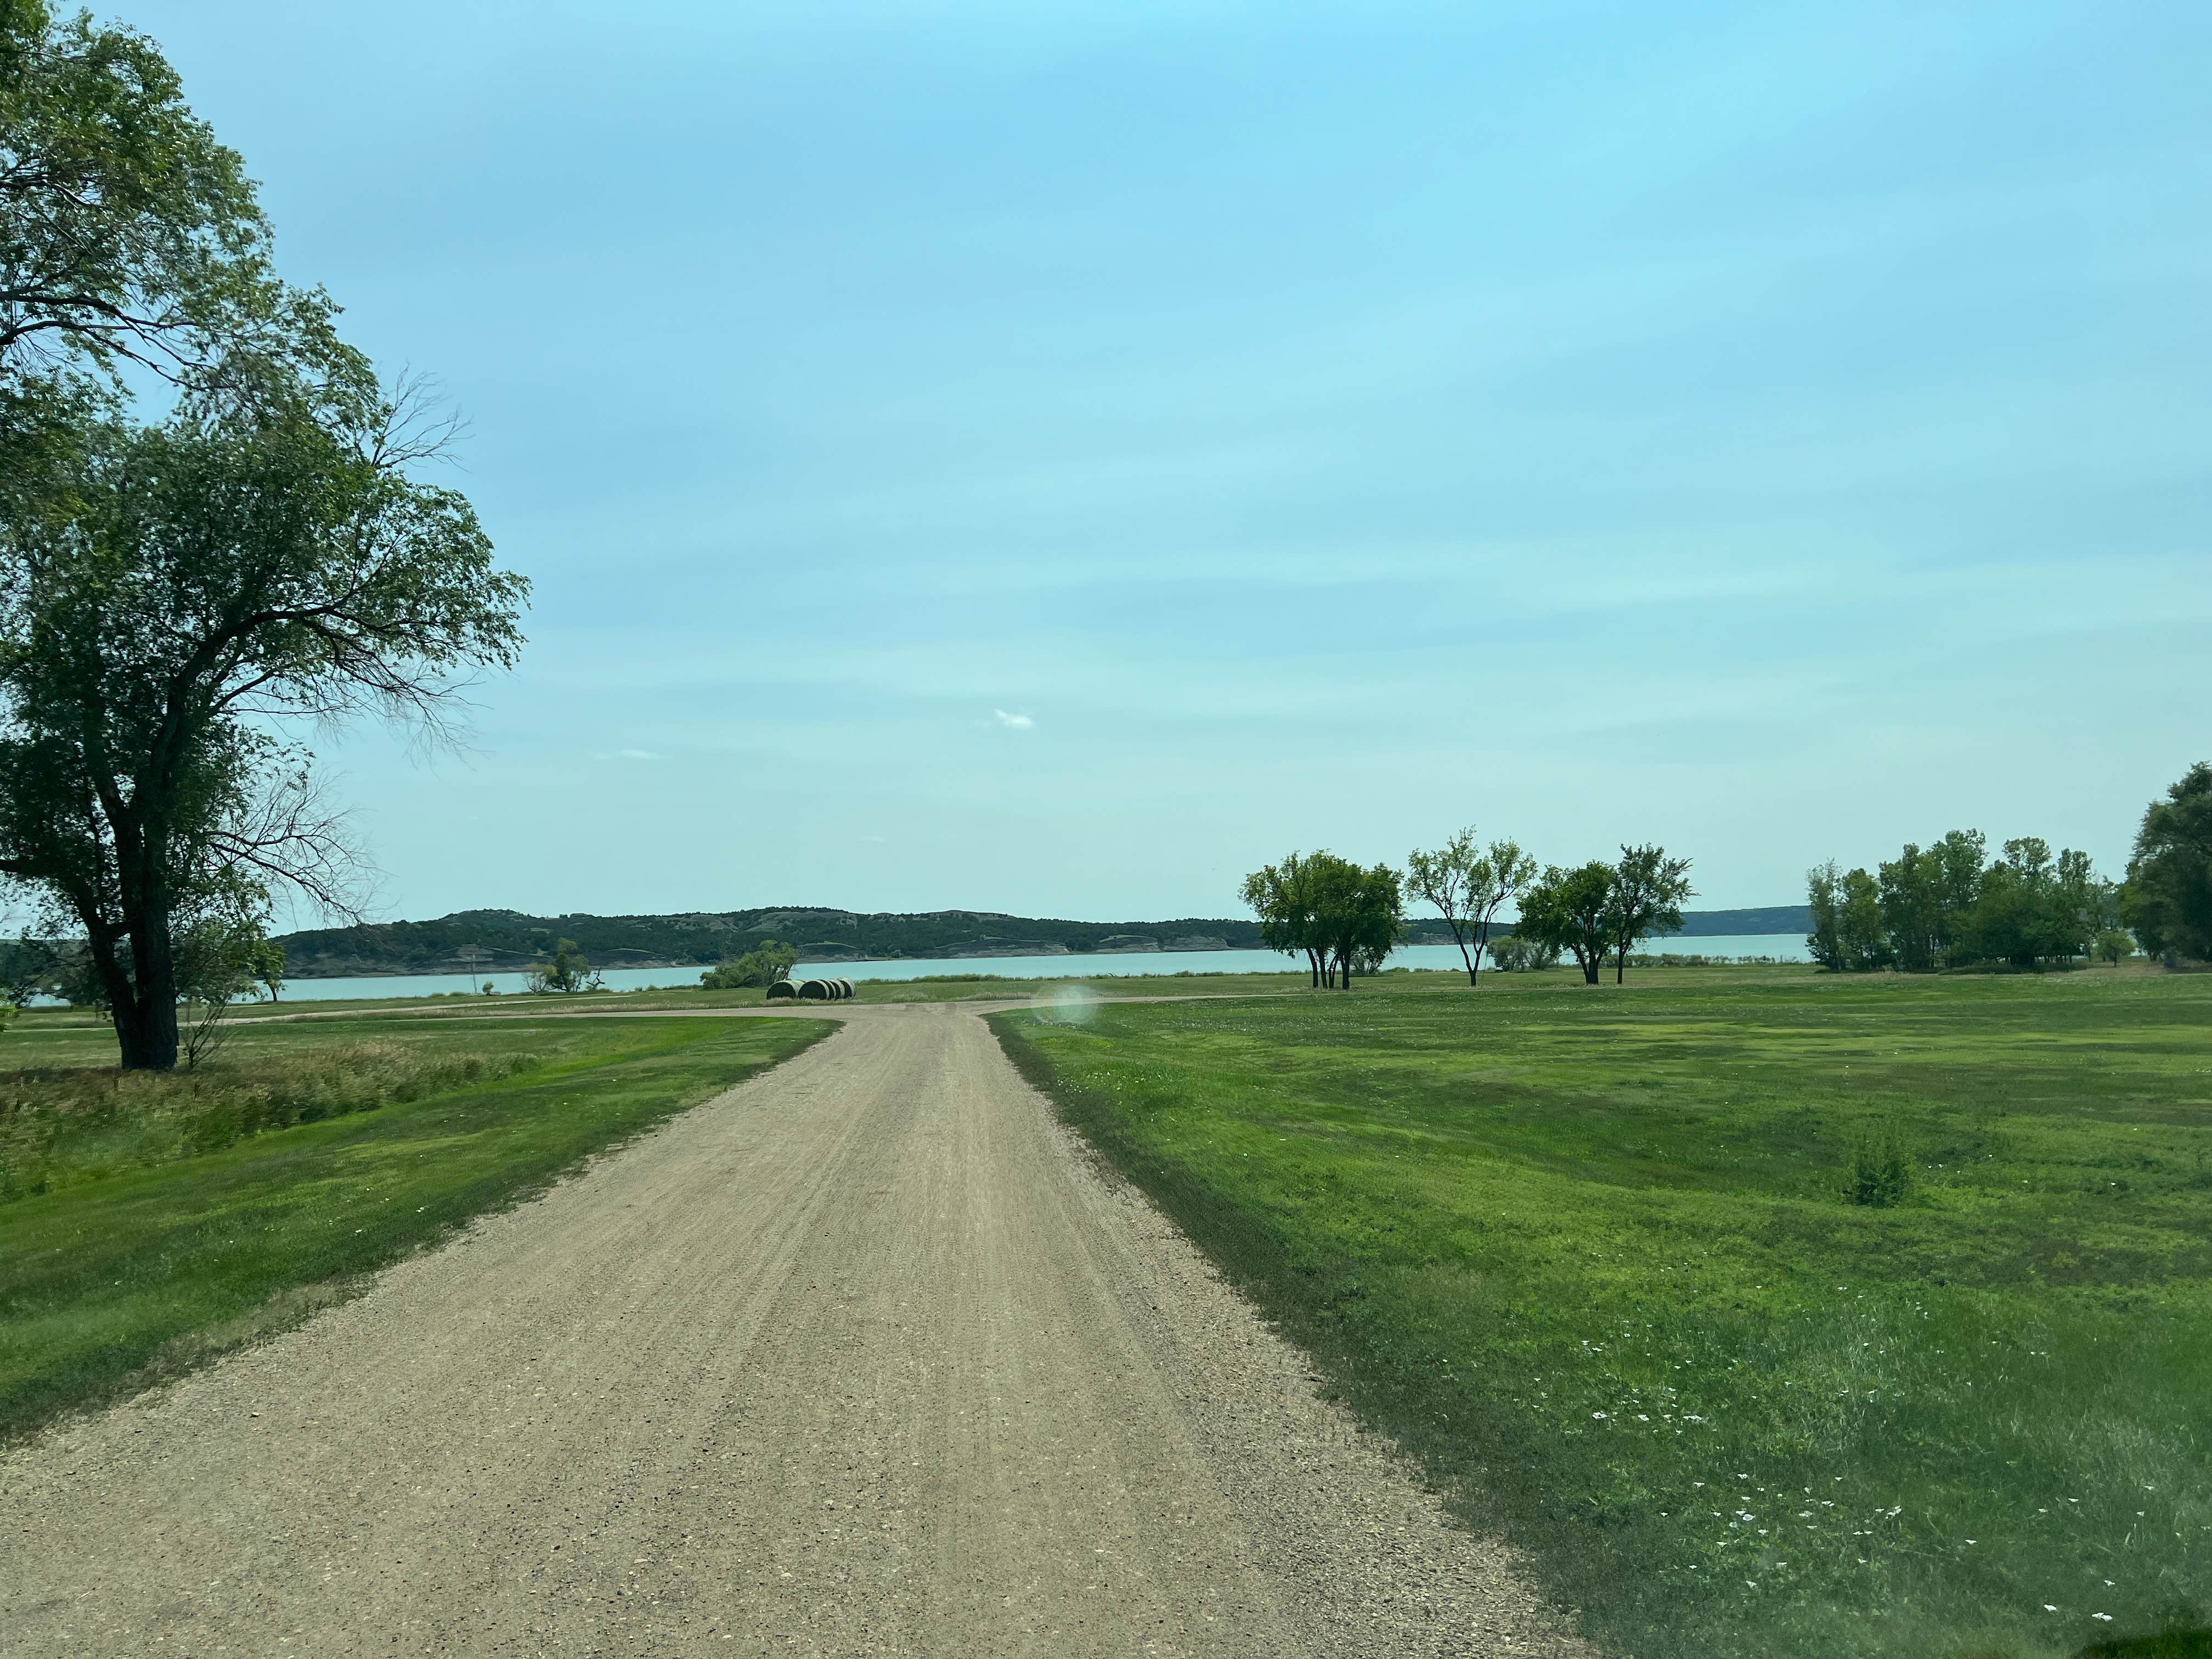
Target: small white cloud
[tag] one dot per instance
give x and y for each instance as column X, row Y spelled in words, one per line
column 1015, row 722
column 631, row 755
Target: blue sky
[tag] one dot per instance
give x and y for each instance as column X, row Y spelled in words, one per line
column 1055, row 457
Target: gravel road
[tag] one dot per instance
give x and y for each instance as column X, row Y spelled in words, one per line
column 865, row 1357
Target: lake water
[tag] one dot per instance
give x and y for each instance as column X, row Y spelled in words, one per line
column 1783, row 947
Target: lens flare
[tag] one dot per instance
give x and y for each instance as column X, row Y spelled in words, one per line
column 1066, row 1005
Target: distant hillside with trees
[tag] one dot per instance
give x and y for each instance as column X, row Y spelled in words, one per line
column 511, row 941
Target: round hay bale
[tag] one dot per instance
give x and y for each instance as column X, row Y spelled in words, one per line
column 782, row 990
column 817, row 990
column 847, row 985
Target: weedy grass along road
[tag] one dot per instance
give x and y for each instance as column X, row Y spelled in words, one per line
column 147, row 1222
column 1592, row 1255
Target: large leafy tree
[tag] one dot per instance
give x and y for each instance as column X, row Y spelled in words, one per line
column 1342, row 917
column 1647, row 890
column 1571, row 910
column 175, row 595
column 2168, row 900
column 1468, row 884
column 173, row 599
column 1362, row 913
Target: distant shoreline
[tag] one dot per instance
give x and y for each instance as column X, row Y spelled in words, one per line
column 322, row 954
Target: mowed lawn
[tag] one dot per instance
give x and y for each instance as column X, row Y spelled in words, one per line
column 134, row 1271
column 1586, row 1253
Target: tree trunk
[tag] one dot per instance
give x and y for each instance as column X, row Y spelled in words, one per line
column 1469, row 960
column 146, row 1032
column 143, row 1003
column 1620, row 965
column 1590, row 964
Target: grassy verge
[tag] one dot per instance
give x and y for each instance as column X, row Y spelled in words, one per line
column 137, row 1266
column 67, row 1126
column 1587, row 1254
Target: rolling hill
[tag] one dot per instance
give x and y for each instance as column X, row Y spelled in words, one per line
column 511, row 941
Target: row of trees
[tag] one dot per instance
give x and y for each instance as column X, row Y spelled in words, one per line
column 183, row 591
column 1950, row 904
column 1345, row 919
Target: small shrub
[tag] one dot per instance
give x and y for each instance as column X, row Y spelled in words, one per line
column 765, row 965
column 1882, row 1174
column 1514, row 954
column 567, row 972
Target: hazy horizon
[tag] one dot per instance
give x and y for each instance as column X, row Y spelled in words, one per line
column 1053, row 460
column 1416, row 912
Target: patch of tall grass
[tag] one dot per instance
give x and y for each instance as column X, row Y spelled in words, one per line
column 64, row 1125
column 1882, row 1174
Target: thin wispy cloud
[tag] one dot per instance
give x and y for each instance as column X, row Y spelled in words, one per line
column 631, row 755
column 1015, row 722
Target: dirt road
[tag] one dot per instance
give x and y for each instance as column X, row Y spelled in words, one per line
column 862, row 1358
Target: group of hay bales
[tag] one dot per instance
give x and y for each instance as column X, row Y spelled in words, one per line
column 811, row 990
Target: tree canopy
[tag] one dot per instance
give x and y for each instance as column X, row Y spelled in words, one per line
column 564, row 973
column 1950, row 905
column 765, row 964
column 172, row 596
column 2169, row 902
column 1571, row 910
column 127, row 232
column 1847, row 935
column 176, row 595
column 1467, row 885
column 1647, row 890
column 1342, row 918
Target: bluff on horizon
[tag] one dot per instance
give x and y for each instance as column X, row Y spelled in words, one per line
column 510, row 939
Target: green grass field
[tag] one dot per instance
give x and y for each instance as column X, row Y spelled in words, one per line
column 145, row 1256
column 1586, row 1253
